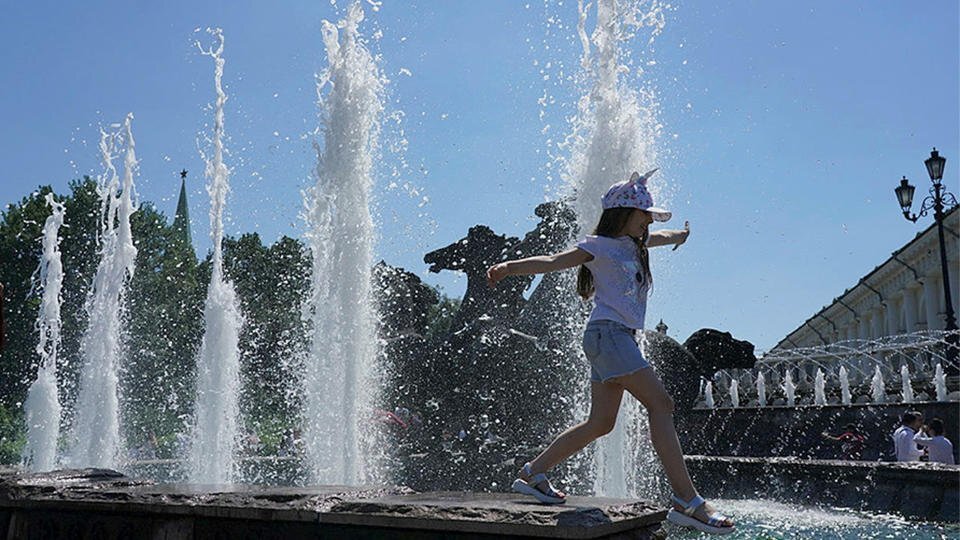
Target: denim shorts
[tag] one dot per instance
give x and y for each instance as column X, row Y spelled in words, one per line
column 612, row 350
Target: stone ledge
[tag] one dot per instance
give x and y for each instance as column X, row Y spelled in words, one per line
column 105, row 500
column 500, row 513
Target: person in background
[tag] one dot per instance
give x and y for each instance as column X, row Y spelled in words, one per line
column 252, row 444
column 151, row 446
column 939, row 448
column 287, row 444
column 851, row 442
column 904, row 446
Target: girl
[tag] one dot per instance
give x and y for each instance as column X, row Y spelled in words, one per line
column 615, row 270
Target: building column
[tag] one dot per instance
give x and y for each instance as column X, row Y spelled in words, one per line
column 850, row 331
column 863, row 330
column 910, row 308
column 892, row 312
column 932, row 301
column 876, row 323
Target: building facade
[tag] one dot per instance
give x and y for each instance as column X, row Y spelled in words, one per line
column 901, row 296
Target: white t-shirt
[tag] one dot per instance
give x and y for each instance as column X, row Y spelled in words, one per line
column 618, row 295
column 939, row 448
column 904, row 445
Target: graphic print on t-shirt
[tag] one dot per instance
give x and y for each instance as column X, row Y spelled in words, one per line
column 618, row 295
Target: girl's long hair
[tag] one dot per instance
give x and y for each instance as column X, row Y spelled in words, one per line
column 612, row 221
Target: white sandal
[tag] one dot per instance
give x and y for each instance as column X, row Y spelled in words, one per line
column 686, row 519
column 529, row 487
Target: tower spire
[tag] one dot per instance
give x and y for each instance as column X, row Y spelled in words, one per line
column 181, row 220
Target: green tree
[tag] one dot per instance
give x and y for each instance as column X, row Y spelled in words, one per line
column 270, row 283
column 164, row 311
column 79, row 246
column 20, row 230
column 163, row 318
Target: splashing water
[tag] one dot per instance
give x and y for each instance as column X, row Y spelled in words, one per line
column 819, row 388
column 761, row 390
column 613, row 133
column 776, row 520
column 877, row 389
column 42, row 407
column 214, row 439
column 615, row 129
column 790, row 389
column 844, row 386
column 96, row 426
column 920, row 351
column 708, row 395
column 906, row 392
column 337, row 377
column 940, row 383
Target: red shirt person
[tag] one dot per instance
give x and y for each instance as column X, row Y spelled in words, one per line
column 851, row 442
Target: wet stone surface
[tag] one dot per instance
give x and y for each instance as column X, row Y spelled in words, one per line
column 64, row 504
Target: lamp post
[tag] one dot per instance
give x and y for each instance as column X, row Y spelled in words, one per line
column 939, row 197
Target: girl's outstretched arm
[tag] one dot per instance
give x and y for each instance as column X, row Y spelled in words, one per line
column 667, row 237
column 540, row 264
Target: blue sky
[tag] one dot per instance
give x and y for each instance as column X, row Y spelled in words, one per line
column 786, row 127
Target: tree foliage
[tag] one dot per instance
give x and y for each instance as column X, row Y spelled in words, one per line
column 163, row 317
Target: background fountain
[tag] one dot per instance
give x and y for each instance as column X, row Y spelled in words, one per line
column 338, row 375
column 819, row 393
column 877, row 389
column 96, row 424
column 761, row 390
column 790, row 389
column 940, row 382
column 42, row 407
column 708, row 394
column 844, row 386
column 906, row 392
column 214, row 433
column 734, row 393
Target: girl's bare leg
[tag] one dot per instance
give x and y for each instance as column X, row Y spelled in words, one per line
column 648, row 389
column 604, row 406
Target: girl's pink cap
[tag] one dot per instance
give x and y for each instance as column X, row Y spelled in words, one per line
column 633, row 193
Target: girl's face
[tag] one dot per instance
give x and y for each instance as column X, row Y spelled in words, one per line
column 637, row 223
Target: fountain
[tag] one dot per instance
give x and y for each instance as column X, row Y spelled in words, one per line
column 613, row 133
column 761, row 390
column 42, row 407
column 708, row 395
column 96, row 425
column 819, row 392
column 906, row 391
column 789, row 388
column 877, row 389
column 844, row 386
column 940, row 383
column 338, row 378
column 214, row 431
column 338, row 374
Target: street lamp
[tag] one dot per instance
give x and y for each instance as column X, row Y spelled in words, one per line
column 939, row 197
